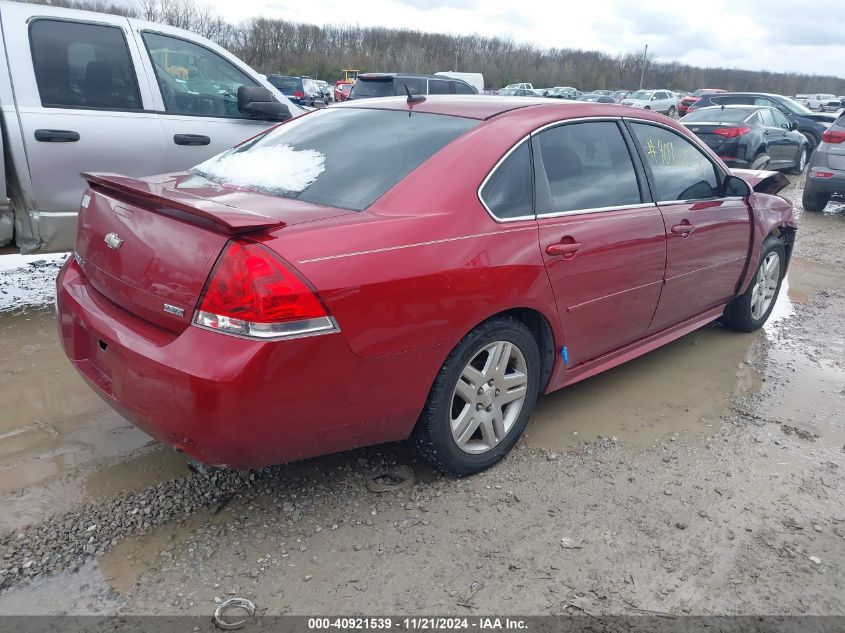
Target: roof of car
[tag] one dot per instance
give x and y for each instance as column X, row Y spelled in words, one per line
column 366, row 76
column 469, row 106
column 736, row 106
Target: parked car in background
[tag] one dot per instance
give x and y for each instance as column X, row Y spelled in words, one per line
column 601, row 92
column 751, row 137
column 400, row 290
column 94, row 91
column 594, row 97
column 516, row 92
column 391, row 84
column 820, row 101
column 326, row 89
column 802, row 99
column 476, row 80
column 685, row 102
column 662, row 101
column 563, row 92
column 810, row 124
column 341, row 91
column 301, row 90
column 521, row 86
column 619, row 95
column 826, row 173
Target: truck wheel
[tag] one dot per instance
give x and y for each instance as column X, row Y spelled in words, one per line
column 481, row 398
column 749, row 311
column 814, row 201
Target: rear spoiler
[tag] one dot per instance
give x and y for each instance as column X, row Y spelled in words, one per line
column 156, row 197
column 763, row 181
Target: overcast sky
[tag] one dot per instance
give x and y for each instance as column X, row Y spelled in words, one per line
column 777, row 35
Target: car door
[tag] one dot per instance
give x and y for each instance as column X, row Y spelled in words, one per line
column 779, row 147
column 792, row 140
column 82, row 106
column 196, row 93
column 707, row 234
column 602, row 240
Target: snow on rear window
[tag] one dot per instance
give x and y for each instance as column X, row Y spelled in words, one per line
column 273, row 169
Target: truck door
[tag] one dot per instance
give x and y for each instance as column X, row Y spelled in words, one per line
column 82, row 106
column 196, row 89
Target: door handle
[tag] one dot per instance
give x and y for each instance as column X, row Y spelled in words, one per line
column 566, row 249
column 56, row 136
column 683, row 229
column 191, row 139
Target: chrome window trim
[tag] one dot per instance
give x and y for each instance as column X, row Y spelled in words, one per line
column 618, row 207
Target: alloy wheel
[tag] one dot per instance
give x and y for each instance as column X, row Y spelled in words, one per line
column 765, row 285
column 488, row 397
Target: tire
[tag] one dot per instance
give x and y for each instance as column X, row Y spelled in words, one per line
column 814, row 201
column 811, row 140
column 761, row 161
column 801, row 165
column 647, row 108
column 671, row 112
column 745, row 312
column 454, row 400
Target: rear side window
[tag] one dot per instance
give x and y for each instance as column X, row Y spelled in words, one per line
column 586, row 166
column 303, row 158
column 462, row 89
column 81, row 65
column 438, row 87
column 509, row 192
column 767, row 118
column 679, row 169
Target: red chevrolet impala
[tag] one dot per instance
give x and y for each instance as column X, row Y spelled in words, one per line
column 391, row 268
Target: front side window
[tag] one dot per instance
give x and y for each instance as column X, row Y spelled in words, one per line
column 462, row 89
column 509, row 191
column 586, row 166
column 81, row 65
column 438, row 87
column 345, row 158
column 194, row 79
column 780, row 119
column 680, row 171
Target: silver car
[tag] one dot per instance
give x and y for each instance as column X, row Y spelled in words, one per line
column 662, row 101
column 826, row 173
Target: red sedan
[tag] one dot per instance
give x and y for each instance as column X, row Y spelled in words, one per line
column 300, row 294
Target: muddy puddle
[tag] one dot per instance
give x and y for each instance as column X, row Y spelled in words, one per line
column 685, row 387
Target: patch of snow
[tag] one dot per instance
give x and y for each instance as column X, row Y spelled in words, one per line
column 274, row 169
column 28, row 281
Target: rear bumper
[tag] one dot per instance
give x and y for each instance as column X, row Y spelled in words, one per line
column 834, row 185
column 233, row 401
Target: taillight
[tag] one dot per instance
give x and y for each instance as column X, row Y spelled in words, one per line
column 731, row 132
column 298, row 94
column 252, row 293
column 833, row 137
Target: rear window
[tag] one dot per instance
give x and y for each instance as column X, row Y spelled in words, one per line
column 717, row 115
column 287, row 85
column 346, row 158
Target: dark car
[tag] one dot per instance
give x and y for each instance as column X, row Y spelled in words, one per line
column 618, row 95
column 300, row 90
column 826, row 176
column 595, row 97
column 810, row 124
column 392, row 84
column 688, row 100
column 755, row 137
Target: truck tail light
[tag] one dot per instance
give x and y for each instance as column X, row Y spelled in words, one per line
column 299, row 94
column 252, row 293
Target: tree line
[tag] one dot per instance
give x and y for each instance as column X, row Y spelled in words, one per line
column 272, row 45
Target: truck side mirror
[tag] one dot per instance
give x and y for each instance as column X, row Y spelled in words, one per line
column 259, row 102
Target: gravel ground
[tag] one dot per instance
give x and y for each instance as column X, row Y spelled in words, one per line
column 740, row 513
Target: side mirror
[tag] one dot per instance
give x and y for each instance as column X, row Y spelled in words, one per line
column 793, row 125
column 259, row 102
column 736, row 186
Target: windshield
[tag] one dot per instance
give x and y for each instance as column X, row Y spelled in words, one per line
column 345, row 157
column 716, row 115
column 642, row 95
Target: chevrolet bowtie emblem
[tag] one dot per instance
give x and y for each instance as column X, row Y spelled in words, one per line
column 112, row 240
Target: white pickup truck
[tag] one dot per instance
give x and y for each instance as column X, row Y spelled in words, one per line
column 823, row 102
column 89, row 91
column 522, row 86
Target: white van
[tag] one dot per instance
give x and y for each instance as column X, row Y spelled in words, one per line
column 476, row 80
column 90, row 91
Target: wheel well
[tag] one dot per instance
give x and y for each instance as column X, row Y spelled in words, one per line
column 786, row 235
column 542, row 332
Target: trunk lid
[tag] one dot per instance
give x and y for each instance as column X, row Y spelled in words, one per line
column 149, row 245
column 704, row 131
